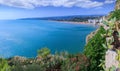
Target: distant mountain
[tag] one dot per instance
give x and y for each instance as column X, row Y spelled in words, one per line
column 77, row 18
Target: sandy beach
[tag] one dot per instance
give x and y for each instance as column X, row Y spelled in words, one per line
column 71, row 22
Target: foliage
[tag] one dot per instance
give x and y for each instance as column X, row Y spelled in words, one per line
column 109, row 33
column 29, row 67
column 77, row 62
column 54, row 64
column 44, row 52
column 118, row 55
column 112, row 40
column 58, row 62
column 4, row 65
column 116, row 14
column 113, row 68
column 95, row 51
column 117, row 0
column 112, row 34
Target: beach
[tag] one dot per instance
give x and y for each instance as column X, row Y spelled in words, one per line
column 71, row 22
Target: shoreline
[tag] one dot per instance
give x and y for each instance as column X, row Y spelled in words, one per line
column 71, row 22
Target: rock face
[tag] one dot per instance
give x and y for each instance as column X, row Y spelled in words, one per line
column 110, row 59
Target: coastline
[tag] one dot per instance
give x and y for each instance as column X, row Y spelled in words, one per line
column 70, row 22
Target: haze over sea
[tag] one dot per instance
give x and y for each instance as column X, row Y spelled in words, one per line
column 25, row 37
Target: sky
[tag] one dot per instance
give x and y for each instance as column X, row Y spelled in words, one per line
column 14, row 9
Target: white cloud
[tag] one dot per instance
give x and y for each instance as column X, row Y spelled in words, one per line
column 109, row 1
column 89, row 4
column 30, row 4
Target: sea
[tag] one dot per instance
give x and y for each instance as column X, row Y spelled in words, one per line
column 26, row 37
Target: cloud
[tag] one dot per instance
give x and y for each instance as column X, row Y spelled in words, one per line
column 30, row 4
column 109, row 1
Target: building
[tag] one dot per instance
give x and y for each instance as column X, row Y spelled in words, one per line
column 97, row 21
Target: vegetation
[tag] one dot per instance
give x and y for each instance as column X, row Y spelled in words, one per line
column 78, row 19
column 44, row 52
column 4, row 65
column 46, row 62
column 77, row 62
column 116, row 14
column 95, row 51
column 112, row 40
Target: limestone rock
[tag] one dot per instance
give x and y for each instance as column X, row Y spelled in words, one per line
column 110, row 59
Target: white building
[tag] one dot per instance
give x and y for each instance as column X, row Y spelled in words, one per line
column 98, row 21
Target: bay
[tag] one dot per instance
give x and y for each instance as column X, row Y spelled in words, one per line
column 25, row 37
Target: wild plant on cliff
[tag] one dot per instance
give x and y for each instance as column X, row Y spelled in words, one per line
column 109, row 33
column 112, row 40
column 4, row 65
column 95, row 51
column 44, row 52
column 112, row 35
column 116, row 14
column 78, row 62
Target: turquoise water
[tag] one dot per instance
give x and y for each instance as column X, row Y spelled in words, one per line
column 25, row 37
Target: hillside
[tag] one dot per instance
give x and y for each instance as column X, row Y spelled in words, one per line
column 74, row 18
column 107, row 50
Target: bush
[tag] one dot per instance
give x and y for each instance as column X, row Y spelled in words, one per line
column 4, row 65
column 78, row 62
column 29, row 67
column 116, row 14
column 95, row 51
column 44, row 52
column 58, row 62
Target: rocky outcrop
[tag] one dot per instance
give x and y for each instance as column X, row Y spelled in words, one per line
column 110, row 59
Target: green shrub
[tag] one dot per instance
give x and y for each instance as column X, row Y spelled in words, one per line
column 44, row 52
column 78, row 62
column 58, row 62
column 29, row 67
column 4, row 65
column 95, row 51
column 54, row 64
column 116, row 14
